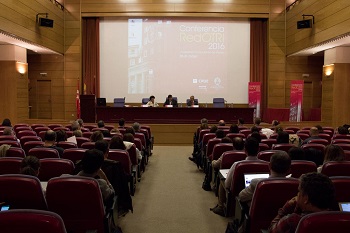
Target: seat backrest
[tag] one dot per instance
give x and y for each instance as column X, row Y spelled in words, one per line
column 347, row 155
column 344, row 146
column 202, row 133
column 303, row 136
column 269, row 142
column 246, row 132
column 88, row 134
column 31, row 144
column 44, row 152
column 20, row 125
column 52, row 126
column 138, row 144
column 230, row 157
column 123, row 157
column 341, row 186
column 67, row 145
column 52, row 167
column 341, row 136
column 10, row 165
column 22, row 128
column 119, row 102
column 210, row 146
column 90, row 127
column 11, row 143
column 283, row 146
column 319, row 141
column 325, row 136
column 142, row 137
column 266, row 154
column 25, row 139
column 8, row 138
column 133, row 155
column 234, row 135
column 31, row 221
column 145, row 100
column 325, row 222
column 263, row 146
column 262, row 212
column 294, row 129
column 15, row 152
column 304, row 131
column 333, row 168
column 148, row 128
column 39, row 129
column 22, row 192
column 74, row 154
column 60, row 128
column 220, row 148
column 88, row 145
column 341, row 141
column 299, row 167
column 67, row 196
column 328, row 128
column 218, row 102
column 34, row 126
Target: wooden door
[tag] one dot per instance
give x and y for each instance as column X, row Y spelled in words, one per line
column 43, row 99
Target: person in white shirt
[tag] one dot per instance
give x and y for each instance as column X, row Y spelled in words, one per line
column 151, row 102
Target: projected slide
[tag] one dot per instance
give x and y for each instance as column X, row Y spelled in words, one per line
column 205, row 58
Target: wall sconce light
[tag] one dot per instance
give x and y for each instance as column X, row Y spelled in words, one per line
column 328, row 69
column 21, row 67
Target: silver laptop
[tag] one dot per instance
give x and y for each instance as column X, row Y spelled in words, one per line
column 248, row 177
column 344, row 206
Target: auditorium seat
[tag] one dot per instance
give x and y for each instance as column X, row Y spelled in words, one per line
column 304, row 131
column 20, row 125
column 319, row 141
column 246, row 132
column 333, row 168
column 74, row 154
column 34, row 126
column 219, row 149
column 22, row 128
column 262, row 212
column 341, row 186
column 263, row 146
column 31, row 144
column 88, row 134
column 269, row 142
column 230, row 157
column 60, row 128
column 11, row 143
column 341, row 141
column 344, row 146
column 266, row 154
column 31, row 221
column 119, row 102
column 325, row 222
column 202, row 133
column 10, row 165
column 15, row 152
column 294, row 129
column 53, row 167
column 234, row 135
column 325, row 136
column 39, row 129
column 67, row 145
column 8, row 138
column 44, row 152
column 25, row 139
column 67, row 196
column 328, row 128
column 88, row 145
column 303, row 136
column 283, row 146
column 218, row 102
column 22, row 192
column 341, row 136
column 24, row 133
column 299, row 167
column 53, row 126
column 81, row 140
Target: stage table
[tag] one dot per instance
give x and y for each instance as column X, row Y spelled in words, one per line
column 163, row 115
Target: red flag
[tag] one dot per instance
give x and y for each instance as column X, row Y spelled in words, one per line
column 77, row 101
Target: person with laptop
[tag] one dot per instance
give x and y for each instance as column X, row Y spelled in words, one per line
column 316, row 194
column 279, row 167
column 251, row 147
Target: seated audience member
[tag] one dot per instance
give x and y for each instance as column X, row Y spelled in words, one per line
column 100, row 124
column 170, row 101
column 234, row 128
column 121, row 123
column 115, row 130
column 204, row 120
column 282, row 138
column 117, row 143
column 3, row 150
column 91, row 167
column 81, row 122
column 319, row 128
column 61, row 136
column 6, row 122
column 279, row 167
column 257, row 121
column 240, row 122
column 219, row 133
column 213, row 129
column 50, row 141
column 278, row 129
column 30, row 165
column 77, row 133
column 8, row 131
column 296, row 153
column 226, row 140
column 238, row 144
column 313, row 135
column 75, row 126
column 342, row 130
column 332, row 153
column 254, row 129
column 316, row 194
column 275, row 123
column 314, row 155
column 117, row 178
column 130, row 130
column 222, row 123
column 251, row 147
column 256, row 135
column 151, row 102
column 137, row 128
column 128, row 140
column 192, row 101
column 96, row 136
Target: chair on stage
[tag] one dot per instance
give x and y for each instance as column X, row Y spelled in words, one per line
column 119, row 102
column 325, row 222
column 144, row 101
column 31, row 221
column 218, row 102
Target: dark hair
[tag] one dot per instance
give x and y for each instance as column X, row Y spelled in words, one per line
column 136, row 126
column 100, row 124
column 152, row 97
column 275, row 122
column 314, row 155
column 226, row 140
column 254, row 129
column 333, row 153
column 257, row 120
column 30, row 166
column 130, row 130
column 251, row 146
column 319, row 128
column 219, row 133
column 256, row 135
column 50, row 135
column 61, row 136
column 170, row 96
column 342, row 130
column 128, row 137
column 204, row 120
column 319, row 189
column 282, row 137
column 117, row 143
column 121, row 122
column 96, row 136
column 92, row 161
column 234, row 128
column 6, row 122
column 278, row 128
column 280, row 162
column 241, row 121
column 238, row 143
column 81, row 122
column 102, row 145
column 213, row 129
column 296, row 153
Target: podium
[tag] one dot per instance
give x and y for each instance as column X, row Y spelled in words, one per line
column 88, row 108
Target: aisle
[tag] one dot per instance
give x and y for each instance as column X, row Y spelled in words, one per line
column 169, row 199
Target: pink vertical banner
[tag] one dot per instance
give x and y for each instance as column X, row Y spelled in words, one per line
column 254, row 97
column 296, row 100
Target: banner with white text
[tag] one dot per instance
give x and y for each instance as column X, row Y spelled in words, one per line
column 254, row 97
column 296, row 100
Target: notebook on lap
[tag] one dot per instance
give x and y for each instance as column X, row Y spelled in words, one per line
column 344, row 206
column 248, row 177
